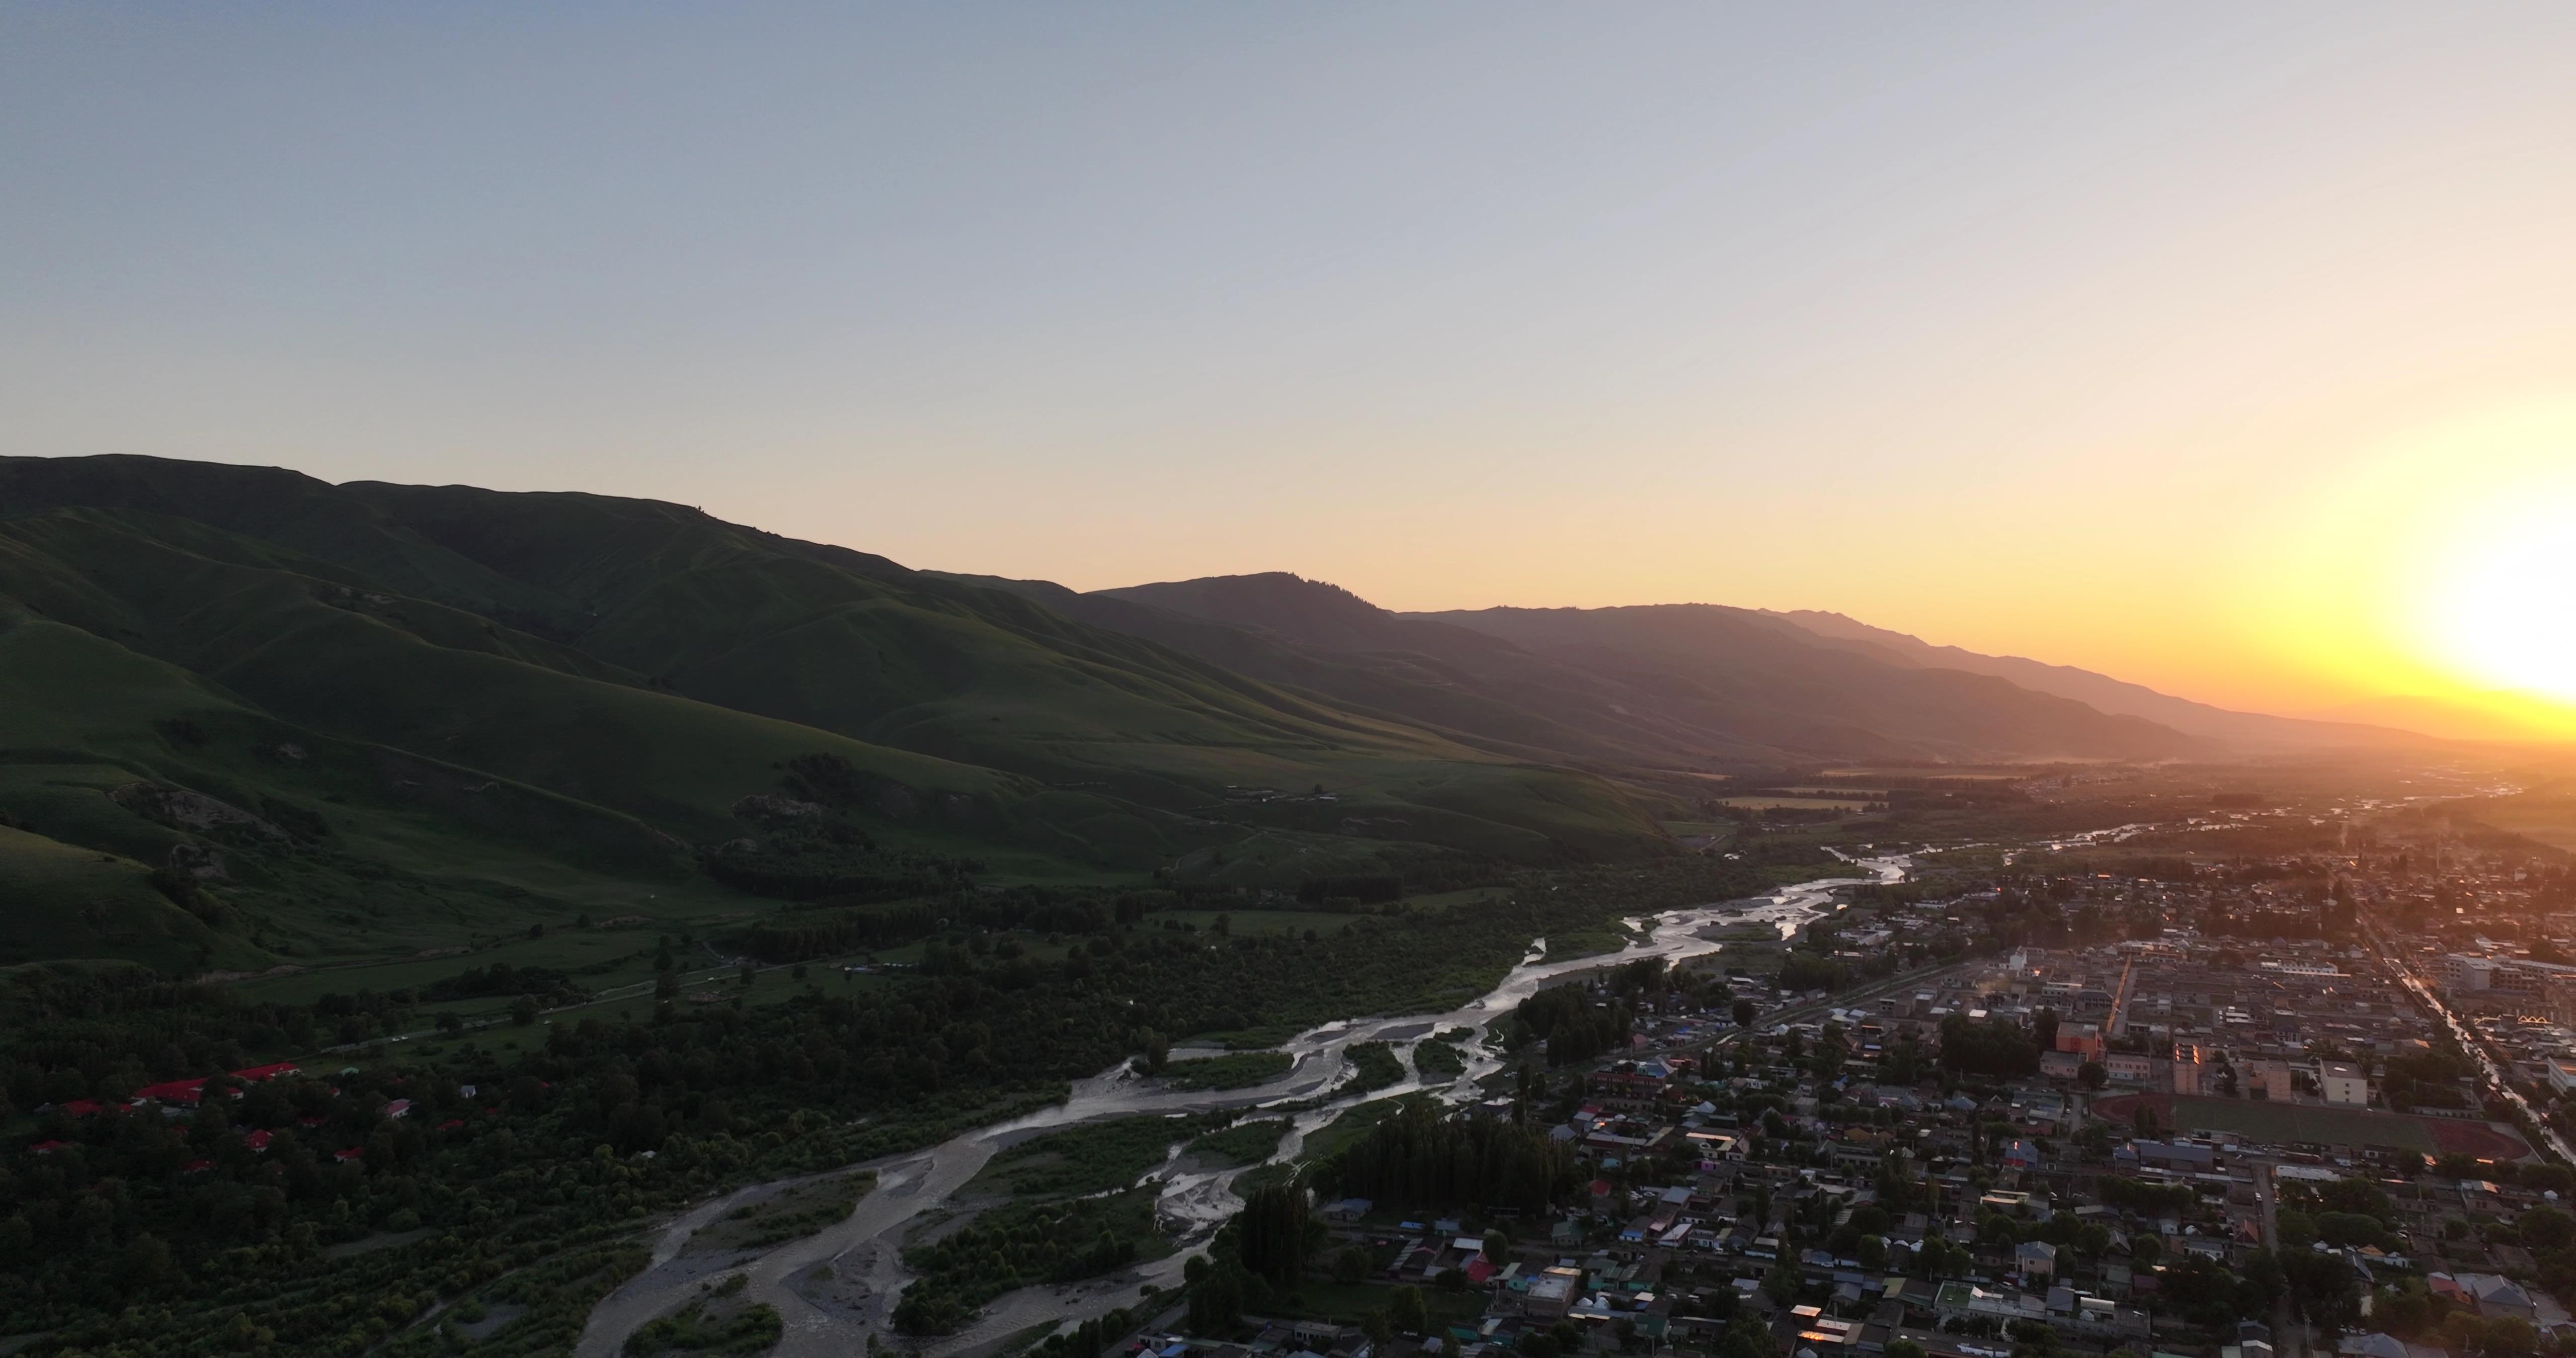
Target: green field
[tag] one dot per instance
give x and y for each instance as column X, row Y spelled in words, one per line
column 2278, row 1122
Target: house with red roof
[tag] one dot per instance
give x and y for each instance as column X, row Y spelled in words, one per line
column 258, row 1074
column 258, row 1141
column 173, row 1092
column 46, row 1147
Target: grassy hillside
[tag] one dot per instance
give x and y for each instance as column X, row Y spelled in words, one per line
column 322, row 724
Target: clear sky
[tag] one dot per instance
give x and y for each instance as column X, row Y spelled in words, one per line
column 2227, row 348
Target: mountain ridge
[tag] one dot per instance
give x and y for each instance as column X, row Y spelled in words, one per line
column 1751, row 695
column 2257, row 730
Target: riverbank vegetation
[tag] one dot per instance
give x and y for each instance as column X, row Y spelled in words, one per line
column 791, row 1213
column 715, row 1326
column 1244, row 1143
column 1095, row 1157
column 1374, row 1066
column 1019, row 1245
column 1438, row 1057
column 1234, row 1070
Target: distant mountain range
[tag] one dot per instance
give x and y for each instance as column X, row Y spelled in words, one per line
column 2244, row 731
column 297, row 693
column 1658, row 683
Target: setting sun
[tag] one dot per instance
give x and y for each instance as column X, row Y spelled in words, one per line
column 2505, row 613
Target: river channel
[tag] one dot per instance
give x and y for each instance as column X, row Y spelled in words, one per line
column 835, row 1289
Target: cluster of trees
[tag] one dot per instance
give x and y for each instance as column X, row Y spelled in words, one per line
column 1575, row 1026
column 1998, row 1047
column 74, row 1032
column 1421, row 1154
column 501, row 978
column 2145, row 1199
column 2426, row 1079
column 1090, row 1338
column 1803, row 971
column 803, row 935
column 1258, row 1255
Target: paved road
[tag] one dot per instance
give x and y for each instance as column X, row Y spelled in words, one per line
column 2289, row 1337
column 2470, row 1042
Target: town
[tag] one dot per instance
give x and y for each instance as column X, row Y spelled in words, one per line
column 2259, row 1108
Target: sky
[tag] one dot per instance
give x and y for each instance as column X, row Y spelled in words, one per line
column 2229, row 349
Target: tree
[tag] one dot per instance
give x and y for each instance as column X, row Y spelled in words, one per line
column 1744, row 1012
column 2033, row 1338
column 2322, row 1287
column 2547, row 1228
column 1216, row 1301
column 1831, row 1052
column 2091, row 1075
column 1405, row 1311
column 1272, row 1233
column 1746, row 1337
column 1157, row 1050
column 1352, row 1265
column 523, row 1010
column 147, row 1259
column 1904, row 1348
column 1782, row 1284
column 2507, row 1337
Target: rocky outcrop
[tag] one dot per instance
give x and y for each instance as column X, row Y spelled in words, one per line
column 181, row 809
column 775, row 812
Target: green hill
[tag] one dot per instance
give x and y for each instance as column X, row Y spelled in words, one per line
column 312, row 723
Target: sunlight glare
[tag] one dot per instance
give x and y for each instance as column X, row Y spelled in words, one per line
column 2505, row 610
